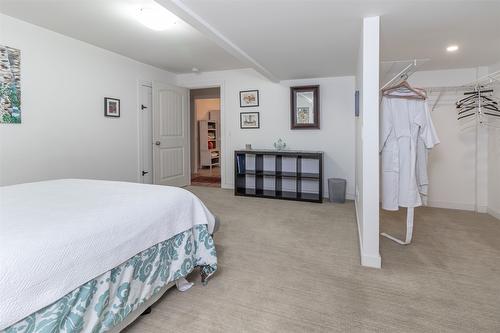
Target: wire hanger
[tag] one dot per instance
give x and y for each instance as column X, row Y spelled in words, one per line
column 404, row 85
column 479, row 106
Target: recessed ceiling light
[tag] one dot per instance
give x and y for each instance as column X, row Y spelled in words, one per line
column 156, row 17
column 452, row 48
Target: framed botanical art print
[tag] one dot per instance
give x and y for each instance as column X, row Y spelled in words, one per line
column 111, row 107
column 304, row 107
column 249, row 120
column 10, row 85
column 249, row 98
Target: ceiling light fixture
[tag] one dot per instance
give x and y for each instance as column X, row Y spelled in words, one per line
column 452, row 48
column 156, row 17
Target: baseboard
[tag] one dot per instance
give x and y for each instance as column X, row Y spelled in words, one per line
column 494, row 213
column 451, row 205
column 371, row 261
column 366, row 260
column 349, row 196
column 482, row 209
column 358, row 224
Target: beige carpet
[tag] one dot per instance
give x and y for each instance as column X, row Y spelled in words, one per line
column 294, row 267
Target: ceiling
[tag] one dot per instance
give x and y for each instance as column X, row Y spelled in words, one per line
column 109, row 24
column 298, row 39
column 290, row 39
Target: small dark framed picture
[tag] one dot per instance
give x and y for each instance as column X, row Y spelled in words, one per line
column 249, row 120
column 249, row 98
column 111, row 107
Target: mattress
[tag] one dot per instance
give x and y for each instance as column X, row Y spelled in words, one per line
column 58, row 235
column 106, row 302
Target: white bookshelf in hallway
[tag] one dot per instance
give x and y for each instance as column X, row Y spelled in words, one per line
column 209, row 143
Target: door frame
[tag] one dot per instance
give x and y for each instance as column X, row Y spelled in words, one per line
column 223, row 142
column 194, row 126
column 149, row 84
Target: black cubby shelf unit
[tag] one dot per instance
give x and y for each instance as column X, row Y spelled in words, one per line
column 279, row 174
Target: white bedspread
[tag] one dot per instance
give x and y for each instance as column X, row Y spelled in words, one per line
column 57, row 235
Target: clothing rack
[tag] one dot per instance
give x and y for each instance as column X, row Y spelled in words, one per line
column 484, row 82
column 483, row 85
column 480, row 103
column 491, row 79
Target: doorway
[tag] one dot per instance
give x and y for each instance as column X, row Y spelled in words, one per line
column 206, row 149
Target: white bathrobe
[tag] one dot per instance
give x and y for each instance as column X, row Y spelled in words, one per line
column 422, row 154
column 406, row 131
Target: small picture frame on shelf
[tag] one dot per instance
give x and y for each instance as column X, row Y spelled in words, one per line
column 111, row 107
column 249, row 98
column 249, row 120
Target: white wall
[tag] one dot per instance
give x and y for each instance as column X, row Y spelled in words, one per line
column 454, row 182
column 367, row 133
column 335, row 138
column 358, row 191
column 494, row 68
column 204, row 106
column 494, row 161
column 64, row 132
column 493, row 175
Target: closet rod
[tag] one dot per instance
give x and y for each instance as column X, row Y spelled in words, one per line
column 403, row 61
column 481, row 91
column 485, row 80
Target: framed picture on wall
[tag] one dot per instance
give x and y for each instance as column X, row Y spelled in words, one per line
column 249, row 120
column 10, row 85
column 304, row 107
column 249, row 98
column 111, row 107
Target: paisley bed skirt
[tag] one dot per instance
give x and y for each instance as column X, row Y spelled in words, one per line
column 106, row 301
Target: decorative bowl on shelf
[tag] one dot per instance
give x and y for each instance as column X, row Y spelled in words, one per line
column 280, row 144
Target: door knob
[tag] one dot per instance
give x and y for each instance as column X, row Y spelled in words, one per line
column 157, row 143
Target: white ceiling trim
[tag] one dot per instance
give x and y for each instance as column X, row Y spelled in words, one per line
column 185, row 13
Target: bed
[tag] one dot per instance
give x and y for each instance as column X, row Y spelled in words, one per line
column 90, row 256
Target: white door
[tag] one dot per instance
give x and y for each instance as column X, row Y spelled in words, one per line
column 146, row 133
column 170, row 135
